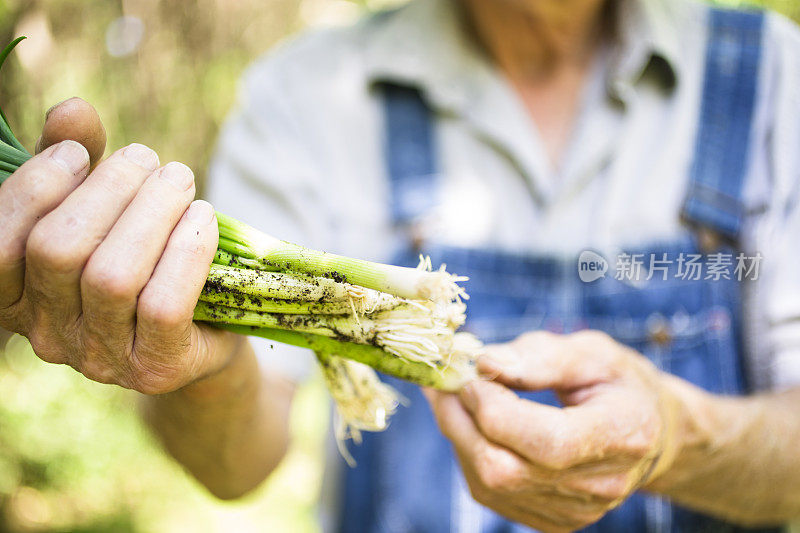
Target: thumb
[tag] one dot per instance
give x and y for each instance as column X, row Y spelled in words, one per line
column 74, row 119
column 541, row 360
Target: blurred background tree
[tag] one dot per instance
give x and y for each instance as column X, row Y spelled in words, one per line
column 73, row 455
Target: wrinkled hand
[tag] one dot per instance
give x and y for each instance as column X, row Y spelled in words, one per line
column 560, row 469
column 101, row 269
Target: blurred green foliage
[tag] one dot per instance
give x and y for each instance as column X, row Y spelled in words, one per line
column 171, row 88
column 790, row 8
column 73, row 454
column 74, row 457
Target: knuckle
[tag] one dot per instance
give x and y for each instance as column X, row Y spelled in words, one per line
column 163, row 313
column 484, row 468
column 482, row 410
column 556, row 456
column 98, row 371
column 46, row 348
column 555, row 459
column 492, row 480
column 479, row 494
column 611, row 488
column 12, row 250
column 111, row 283
column 487, row 420
column 590, row 338
column 98, row 361
column 117, row 175
column 497, row 475
column 603, row 492
column 45, row 249
column 641, row 443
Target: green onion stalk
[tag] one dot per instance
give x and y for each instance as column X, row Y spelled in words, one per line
column 357, row 316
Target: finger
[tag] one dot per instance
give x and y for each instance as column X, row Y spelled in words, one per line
column 494, row 468
column 506, row 420
column 166, row 305
column 541, row 360
column 492, row 472
column 122, row 264
column 547, row 436
column 456, row 424
column 77, row 120
column 29, row 194
column 62, row 242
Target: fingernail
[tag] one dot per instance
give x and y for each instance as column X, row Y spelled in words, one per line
column 71, row 155
column 142, row 156
column 200, row 212
column 178, row 174
column 47, row 113
column 498, row 359
column 488, row 367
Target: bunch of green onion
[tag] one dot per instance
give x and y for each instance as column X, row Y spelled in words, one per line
column 355, row 315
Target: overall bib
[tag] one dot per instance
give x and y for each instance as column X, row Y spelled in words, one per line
column 407, row 478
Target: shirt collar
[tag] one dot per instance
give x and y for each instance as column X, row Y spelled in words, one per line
column 647, row 42
column 424, row 43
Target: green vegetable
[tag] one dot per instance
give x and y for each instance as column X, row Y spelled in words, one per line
column 356, row 315
column 12, row 153
column 272, row 254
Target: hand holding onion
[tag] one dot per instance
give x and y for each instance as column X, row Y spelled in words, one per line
column 561, row 469
column 101, row 270
column 106, row 268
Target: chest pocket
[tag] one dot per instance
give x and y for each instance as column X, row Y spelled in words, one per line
column 689, row 329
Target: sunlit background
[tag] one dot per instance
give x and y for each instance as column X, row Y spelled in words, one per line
column 73, row 455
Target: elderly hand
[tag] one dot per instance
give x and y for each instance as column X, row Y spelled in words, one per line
column 558, row 469
column 101, row 269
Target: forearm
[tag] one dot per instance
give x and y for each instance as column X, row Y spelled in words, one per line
column 229, row 430
column 736, row 457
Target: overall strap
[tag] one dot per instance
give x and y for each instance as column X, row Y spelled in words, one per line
column 720, row 162
column 410, row 152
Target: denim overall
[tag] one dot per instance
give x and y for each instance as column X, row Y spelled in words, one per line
column 407, row 478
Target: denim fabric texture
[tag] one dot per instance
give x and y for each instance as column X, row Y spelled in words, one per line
column 407, row 478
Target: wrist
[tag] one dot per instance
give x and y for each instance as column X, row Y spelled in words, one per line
column 697, row 428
